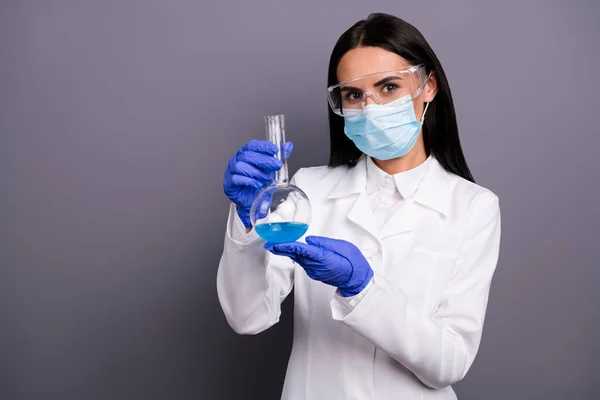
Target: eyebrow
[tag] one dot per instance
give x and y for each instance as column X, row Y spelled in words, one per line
column 386, row 80
column 378, row 83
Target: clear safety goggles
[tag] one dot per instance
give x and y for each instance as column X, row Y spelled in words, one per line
column 349, row 97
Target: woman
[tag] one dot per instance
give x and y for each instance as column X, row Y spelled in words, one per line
column 392, row 283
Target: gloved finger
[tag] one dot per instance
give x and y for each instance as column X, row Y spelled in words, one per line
column 250, row 171
column 240, row 180
column 288, row 147
column 261, row 146
column 263, row 204
column 259, row 160
column 338, row 246
column 262, row 213
column 301, row 249
column 271, row 247
column 307, row 263
column 325, row 242
column 276, row 248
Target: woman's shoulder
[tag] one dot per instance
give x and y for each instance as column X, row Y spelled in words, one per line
column 475, row 198
column 319, row 179
column 464, row 187
column 443, row 181
column 312, row 175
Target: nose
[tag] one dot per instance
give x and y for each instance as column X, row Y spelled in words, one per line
column 369, row 99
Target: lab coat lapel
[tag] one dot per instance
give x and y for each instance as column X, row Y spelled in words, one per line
column 354, row 182
column 434, row 193
column 361, row 213
column 402, row 220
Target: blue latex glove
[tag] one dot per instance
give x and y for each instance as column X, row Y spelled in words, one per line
column 335, row 262
column 249, row 171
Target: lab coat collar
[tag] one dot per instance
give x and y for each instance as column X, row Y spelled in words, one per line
column 434, row 191
column 405, row 183
column 354, row 181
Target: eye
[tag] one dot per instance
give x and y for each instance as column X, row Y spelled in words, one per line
column 390, row 87
column 352, row 96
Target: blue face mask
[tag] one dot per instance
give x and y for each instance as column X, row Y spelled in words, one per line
column 385, row 132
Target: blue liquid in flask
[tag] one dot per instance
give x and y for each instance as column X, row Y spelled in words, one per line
column 281, row 232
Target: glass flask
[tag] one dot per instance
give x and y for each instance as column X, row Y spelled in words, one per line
column 281, row 212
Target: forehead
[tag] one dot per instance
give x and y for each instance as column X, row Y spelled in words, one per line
column 366, row 60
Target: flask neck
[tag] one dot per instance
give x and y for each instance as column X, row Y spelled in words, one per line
column 275, row 129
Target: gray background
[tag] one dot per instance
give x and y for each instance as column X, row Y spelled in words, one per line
column 116, row 122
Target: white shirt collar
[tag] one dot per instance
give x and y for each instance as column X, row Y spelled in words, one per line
column 435, row 189
column 405, row 182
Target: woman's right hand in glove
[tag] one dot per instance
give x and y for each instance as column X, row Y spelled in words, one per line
column 248, row 172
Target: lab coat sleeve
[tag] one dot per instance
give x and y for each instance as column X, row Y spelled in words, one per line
column 439, row 348
column 251, row 282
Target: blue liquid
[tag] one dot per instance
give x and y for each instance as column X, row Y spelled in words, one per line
column 281, row 232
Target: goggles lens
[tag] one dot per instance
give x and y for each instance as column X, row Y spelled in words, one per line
column 348, row 98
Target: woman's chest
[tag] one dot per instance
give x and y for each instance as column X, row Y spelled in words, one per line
column 415, row 248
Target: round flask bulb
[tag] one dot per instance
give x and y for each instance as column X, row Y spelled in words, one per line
column 281, row 213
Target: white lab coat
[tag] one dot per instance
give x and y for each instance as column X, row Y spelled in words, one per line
column 417, row 327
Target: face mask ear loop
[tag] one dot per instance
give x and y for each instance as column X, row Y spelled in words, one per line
column 424, row 111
